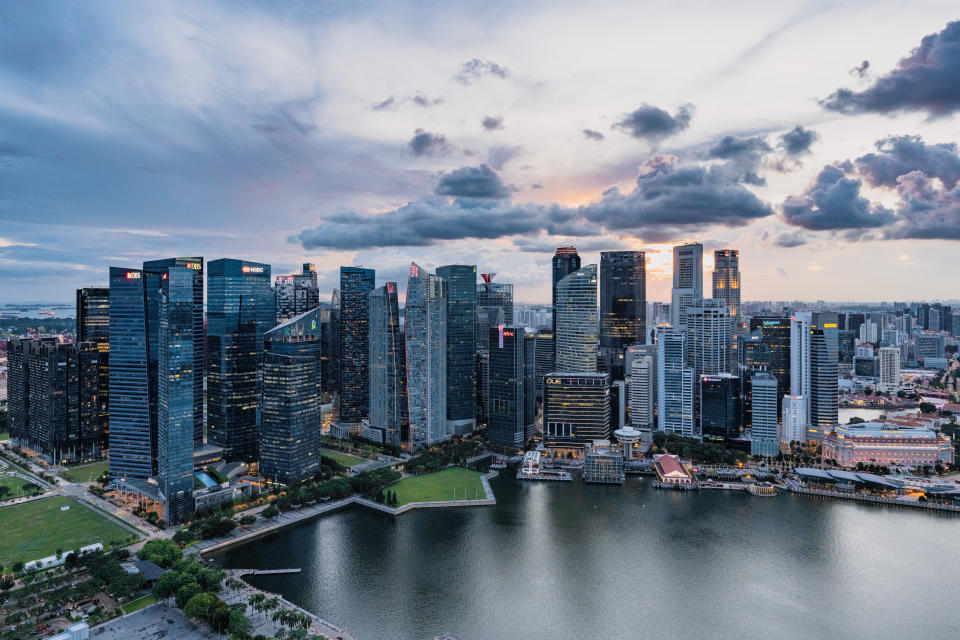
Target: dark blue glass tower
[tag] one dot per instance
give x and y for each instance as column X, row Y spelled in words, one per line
column 356, row 284
column 240, row 310
column 461, row 345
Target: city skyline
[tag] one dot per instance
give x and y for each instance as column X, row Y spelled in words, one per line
column 181, row 130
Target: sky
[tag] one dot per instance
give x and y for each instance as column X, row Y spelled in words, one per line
column 818, row 138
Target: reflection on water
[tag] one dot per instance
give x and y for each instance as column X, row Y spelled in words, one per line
column 557, row 561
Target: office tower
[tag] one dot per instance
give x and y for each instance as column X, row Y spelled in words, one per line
column 775, row 334
column 290, row 434
column 726, row 280
column 131, row 436
column 356, row 283
column 425, row 328
column 793, row 423
column 296, row 293
column 529, row 385
column 239, row 312
column 720, row 407
column 814, row 364
column 869, row 332
column 566, row 260
column 765, row 436
column 710, row 338
column 175, row 393
column 846, row 346
column 687, row 282
column 576, row 313
column 483, row 383
column 506, row 409
column 954, row 324
column 486, row 318
column 889, row 367
column 495, row 295
column 930, row 345
column 92, row 433
column 93, row 326
column 461, row 345
column 156, row 279
column 331, row 345
column 544, row 359
column 388, row 369
column 623, row 306
column 642, row 393
column 854, row 320
column 675, row 382
column 576, row 410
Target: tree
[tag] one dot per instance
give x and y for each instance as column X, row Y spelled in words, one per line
column 218, row 615
column 239, row 624
column 271, row 512
column 186, row 593
column 163, row 553
column 199, row 605
column 17, row 566
column 856, row 420
column 167, row 585
column 927, row 407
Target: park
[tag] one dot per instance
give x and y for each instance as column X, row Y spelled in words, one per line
column 453, row 483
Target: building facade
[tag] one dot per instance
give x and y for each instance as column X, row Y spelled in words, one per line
column 506, row 408
column 765, row 434
column 566, row 260
column 290, row 442
column 388, row 369
column 720, row 407
column 675, row 383
column 623, row 306
column 726, row 280
column 93, row 326
column 425, row 327
column 879, row 443
column 353, row 397
column 643, row 396
column 461, row 282
column 576, row 316
column 687, row 281
column 576, row 410
column 296, row 293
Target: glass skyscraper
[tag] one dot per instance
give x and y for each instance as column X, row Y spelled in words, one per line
column 93, row 326
column 775, row 352
column 623, row 305
column 687, row 281
column 461, row 345
column 290, row 442
column 675, row 382
column 576, row 410
column 726, row 280
column 425, row 330
column 566, row 260
column 240, row 310
column 388, row 368
column 576, row 314
column 506, row 403
column 493, row 295
column 356, row 283
column 720, row 407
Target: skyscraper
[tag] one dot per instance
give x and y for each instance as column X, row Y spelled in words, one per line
column 290, row 443
column 356, row 283
column 175, row 393
column 155, row 273
column 775, row 336
column 544, row 357
column 425, row 329
column 506, row 413
column 331, row 345
column 296, row 293
column 642, row 394
column 710, row 338
column 675, row 382
column 461, row 345
column 576, row 316
column 726, row 280
column 765, row 438
column 576, row 411
column 687, row 281
column 814, row 365
column 566, row 260
column 93, row 326
column 495, row 295
column 793, row 420
column 889, row 367
column 623, row 305
column 240, row 311
column 720, row 406
column 388, row 369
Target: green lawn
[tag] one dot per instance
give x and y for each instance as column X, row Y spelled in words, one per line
column 36, row 529
column 139, row 603
column 345, row 459
column 85, row 473
column 15, row 486
column 4, row 435
column 441, row 485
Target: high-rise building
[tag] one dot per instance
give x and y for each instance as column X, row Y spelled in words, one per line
column 461, row 345
column 793, row 424
column 623, row 306
column 296, row 293
column 726, row 280
column 155, row 273
column 506, row 409
column 529, row 385
column 425, row 327
column 675, row 380
column 720, row 406
column 290, row 441
column 488, row 317
column 576, row 314
column 175, row 393
column 239, row 313
column 642, row 393
column 544, row 359
column 566, row 260
column 889, row 367
column 388, row 368
column 132, row 439
column 353, row 398
column 776, row 339
column 710, row 338
column 687, row 282
column 331, row 345
column 576, row 411
column 930, row 344
column 765, row 436
column 93, row 326
column 814, row 365
column 495, row 295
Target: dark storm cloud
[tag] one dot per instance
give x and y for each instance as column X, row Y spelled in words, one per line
column 899, row 155
column 797, row 141
column 833, row 202
column 926, row 80
column 475, row 69
column 472, row 182
column 500, row 155
column 490, row 123
column 667, row 202
column 653, row 123
column 590, row 134
column 424, row 143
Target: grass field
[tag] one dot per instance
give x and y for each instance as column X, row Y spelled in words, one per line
column 4, row 435
column 345, row 459
column 15, row 485
column 85, row 473
column 441, row 485
column 36, row 529
column 139, row 603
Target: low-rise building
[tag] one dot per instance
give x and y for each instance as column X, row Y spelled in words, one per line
column 603, row 463
column 884, row 443
column 670, row 470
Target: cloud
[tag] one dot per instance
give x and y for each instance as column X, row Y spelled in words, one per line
column 475, row 69
column 653, row 123
column 384, row 104
column 732, row 147
column 418, row 98
column 782, row 272
column 500, row 155
column 833, row 202
column 424, row 143
column 797, row 141
column 586, row 244
column 925, row 80
column 421, row 100
column 491, row 123
column 472, row 182
column 667, row 202
column 899, row 155
column 790, row 239
column 861, row 70
column 926, row 209
column 590, row 134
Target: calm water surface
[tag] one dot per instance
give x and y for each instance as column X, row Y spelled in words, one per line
column 568, row 560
